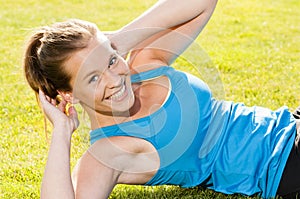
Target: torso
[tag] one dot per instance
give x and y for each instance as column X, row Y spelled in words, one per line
column 189, row 155
column 150, row 96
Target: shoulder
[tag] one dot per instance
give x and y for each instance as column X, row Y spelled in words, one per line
column 111, row 161
column 124, row 154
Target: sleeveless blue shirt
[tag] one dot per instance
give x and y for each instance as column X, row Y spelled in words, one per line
column 221, row 145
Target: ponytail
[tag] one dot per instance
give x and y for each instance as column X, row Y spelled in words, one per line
column 34, row 73
column 47, row 51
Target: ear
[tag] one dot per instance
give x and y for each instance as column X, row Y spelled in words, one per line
column 68, row 97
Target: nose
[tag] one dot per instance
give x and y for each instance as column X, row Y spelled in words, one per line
column 112, row 79
column 115, row 76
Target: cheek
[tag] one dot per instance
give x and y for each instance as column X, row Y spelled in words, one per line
column 98, row 93
column 86, row 95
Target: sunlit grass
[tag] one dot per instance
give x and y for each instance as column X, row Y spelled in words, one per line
column 254, row 45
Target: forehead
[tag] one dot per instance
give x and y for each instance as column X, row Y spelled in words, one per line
column 95, row 55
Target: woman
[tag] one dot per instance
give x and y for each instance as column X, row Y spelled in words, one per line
column 151, row 124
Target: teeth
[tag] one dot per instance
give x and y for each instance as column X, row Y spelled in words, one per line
column 119, row 94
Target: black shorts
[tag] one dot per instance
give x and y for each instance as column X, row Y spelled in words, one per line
column 289, row 186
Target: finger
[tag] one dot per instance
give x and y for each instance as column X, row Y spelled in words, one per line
column 62, row 106
column 53, row 102
column 72, row 112
column 44, row 99
column 48, row 98
column 42, row 96
column 74, row 116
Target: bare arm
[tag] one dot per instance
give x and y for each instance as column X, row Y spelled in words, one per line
column 164, row 47
column 57, row 179
column 185, row 18
column 92, row 179
column 113, row 160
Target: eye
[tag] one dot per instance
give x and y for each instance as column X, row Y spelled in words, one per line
column 94, row 79
column 112, row 61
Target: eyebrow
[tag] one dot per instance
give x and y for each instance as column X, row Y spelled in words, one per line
column 113, row 46
column 112, row 54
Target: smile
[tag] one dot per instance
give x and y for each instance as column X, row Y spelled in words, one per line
column 119, row 95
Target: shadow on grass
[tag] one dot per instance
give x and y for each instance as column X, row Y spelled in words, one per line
column 166, row 192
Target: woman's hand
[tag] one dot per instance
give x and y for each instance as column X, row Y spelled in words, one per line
column 58, row 115
column 57, row 181
column 118, row 42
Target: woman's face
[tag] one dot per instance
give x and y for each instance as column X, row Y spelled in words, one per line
column 100, row 78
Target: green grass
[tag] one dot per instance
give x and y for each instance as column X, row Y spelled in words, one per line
column 253, row 52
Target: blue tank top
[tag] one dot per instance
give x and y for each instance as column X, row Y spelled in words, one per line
column 221, row 145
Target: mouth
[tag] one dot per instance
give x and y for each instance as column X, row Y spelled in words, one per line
column 118, row 96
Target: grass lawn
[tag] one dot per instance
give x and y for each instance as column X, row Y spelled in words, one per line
column 253, row 53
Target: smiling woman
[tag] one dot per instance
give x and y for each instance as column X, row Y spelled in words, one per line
column 151, row 124
column 101, row 83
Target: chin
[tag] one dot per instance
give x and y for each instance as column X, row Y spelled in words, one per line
column 121, row 109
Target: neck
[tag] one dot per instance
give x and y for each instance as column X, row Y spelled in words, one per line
column 102, row 119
